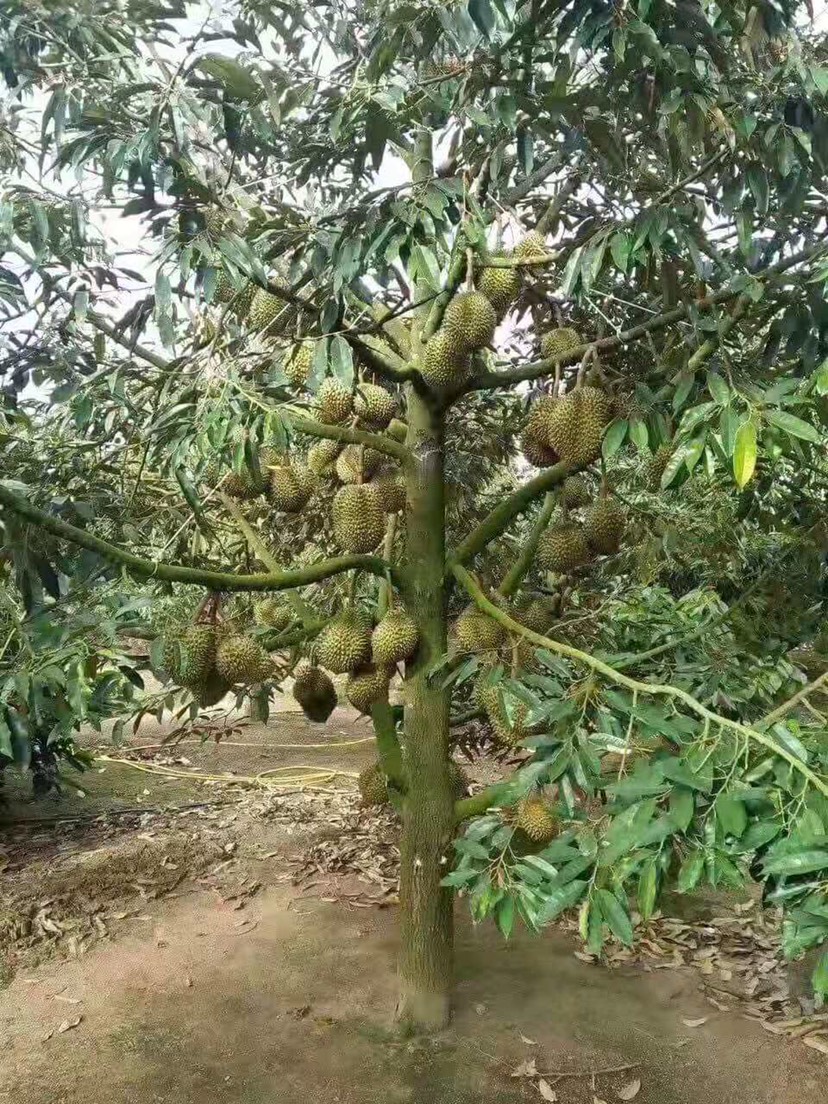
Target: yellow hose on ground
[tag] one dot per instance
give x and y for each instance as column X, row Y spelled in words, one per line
column 314, row 779
column 240, row 743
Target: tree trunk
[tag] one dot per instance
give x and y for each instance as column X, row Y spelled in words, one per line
column 425, row 968
column 258, row 708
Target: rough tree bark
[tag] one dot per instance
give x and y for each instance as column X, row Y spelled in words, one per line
column 426, row 928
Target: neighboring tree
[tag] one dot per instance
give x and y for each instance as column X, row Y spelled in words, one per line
column 633, row 192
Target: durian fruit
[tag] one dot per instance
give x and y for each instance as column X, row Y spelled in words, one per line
column 244, row 300
column 240, row 659
column 272, row 614
column 345, row 643
column 604, row 526
column 558, row 342
column 373, row 785
column 539, row 614
column 367, row 686
column 534, row 438
column 532, row 246
column 390, row 492
column 501, row 286
column 394, row 639
column 445, row 363
column 211, row 474
column 575, row 492
column 374, row 406
column 508, row 725
column 476, row 631
column 315, row 692
column 298, row 363
column 576, row 425
column 470, row 321
column 537, row 819
column 657, row 465
column 265, row 308
column 356, row 463
column 334, row 401
column 171, row 657
column 225, row 289
column 562, row 548
column 459, row 780
column 397, row 429
column 358, row 520
column 212, row 690
column 290, row 487
column 243, row 484
column 197, row 655
column 240, row 298
column 322, row 456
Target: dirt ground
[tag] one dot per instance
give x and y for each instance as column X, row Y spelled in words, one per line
column 244, row 951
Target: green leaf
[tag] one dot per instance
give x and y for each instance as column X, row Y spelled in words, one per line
column 819, row 978
column 647, row 888
column 639, row 434
column 728, row 425
column 682, row 807
column 505, row 916
column 616, row 915
column 234, row 78
column 796, row 427
column 801, row 862
column 718, row 388
column 690, row 872
column 459, row 878
column 560, row 899
column 744, row 453
column 614, row 437
column 6, row 747
column 341, row 359
column 482, row 16
column 684, row 386
column 820, row 378
column 731, row 814
column 758, row 183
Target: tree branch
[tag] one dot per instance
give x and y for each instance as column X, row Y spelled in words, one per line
column 516, row 572
column 177, row 573
column 101, row 323
column 388, row 745
column 376, row 441
column 488, row 380
column 799, row 696
column 478, row 803
column 495, row 522
column 662, row 690
column 380, row 358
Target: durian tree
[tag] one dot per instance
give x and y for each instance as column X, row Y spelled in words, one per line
column 486, row 309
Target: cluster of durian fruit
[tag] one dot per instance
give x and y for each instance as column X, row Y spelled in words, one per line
column 211, row 658
column 259, row 309
column 370, row 487
column 348, row 645
column 472, row 316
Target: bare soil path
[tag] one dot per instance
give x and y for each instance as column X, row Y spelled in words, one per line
column 202, row 973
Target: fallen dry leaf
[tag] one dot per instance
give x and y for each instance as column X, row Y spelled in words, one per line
column 525, row 1069
column 696, row 1023
column 67, row 1025
column 546, row 1091
column 597, row 1100
column 69, row 1000
column 45, row 1038
column 630, row 1090
column 816, row 1044
column 529, row 1042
